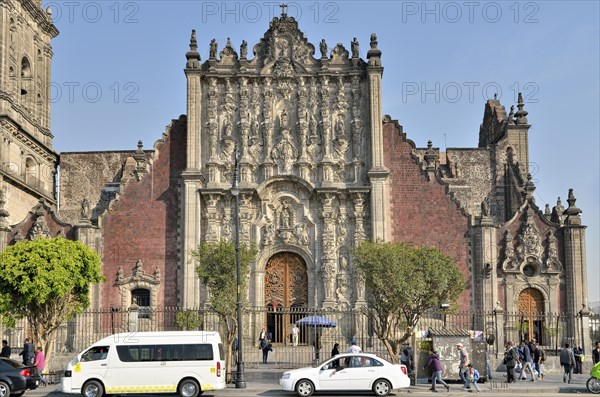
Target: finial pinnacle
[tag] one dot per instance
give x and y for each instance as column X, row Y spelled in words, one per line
column 283, row 10
column 521, row 113
column 192, row 56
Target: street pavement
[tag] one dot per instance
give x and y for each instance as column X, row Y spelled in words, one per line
column 264, row 381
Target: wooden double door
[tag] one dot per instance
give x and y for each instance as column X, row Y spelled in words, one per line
column 286, row 295
column 531, row 315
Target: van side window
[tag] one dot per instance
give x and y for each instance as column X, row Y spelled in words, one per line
column 95, row 353
column 187, row 352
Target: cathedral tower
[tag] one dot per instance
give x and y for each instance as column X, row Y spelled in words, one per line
column 27, row 160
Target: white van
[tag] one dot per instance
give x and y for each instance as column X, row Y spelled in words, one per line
column 182, row 362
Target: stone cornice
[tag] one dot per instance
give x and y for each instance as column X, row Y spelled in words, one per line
column 29, row 141
column 25, row 114
column 41, row 17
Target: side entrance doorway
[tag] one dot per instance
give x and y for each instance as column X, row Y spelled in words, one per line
column 532, row 316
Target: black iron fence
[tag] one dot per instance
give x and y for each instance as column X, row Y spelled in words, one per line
column 316, row 338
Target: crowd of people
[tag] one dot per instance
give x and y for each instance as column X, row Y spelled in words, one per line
column 31, row 357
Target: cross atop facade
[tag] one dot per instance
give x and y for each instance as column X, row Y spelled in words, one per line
column 283, row 9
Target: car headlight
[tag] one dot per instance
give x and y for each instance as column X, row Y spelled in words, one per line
column 286, row 376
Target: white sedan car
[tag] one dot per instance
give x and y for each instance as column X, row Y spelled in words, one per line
column 347, row 371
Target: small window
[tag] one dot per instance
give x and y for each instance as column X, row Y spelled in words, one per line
column 141, row 297
column 529, row 270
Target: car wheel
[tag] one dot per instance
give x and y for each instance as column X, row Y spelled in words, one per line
column 4, row 389
column 381, row 387
column 305, row 388
column 92, row 388
column 189, row 388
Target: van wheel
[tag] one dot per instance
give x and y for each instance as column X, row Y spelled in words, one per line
column 304, row 388
column 92, row 388
column 189, row 388
column 4, row 389
column 382, row 387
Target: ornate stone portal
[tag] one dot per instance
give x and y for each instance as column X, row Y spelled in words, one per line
column 300, row 125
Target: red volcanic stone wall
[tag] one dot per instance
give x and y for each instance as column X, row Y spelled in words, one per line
column 420, row 210
column 142, row 223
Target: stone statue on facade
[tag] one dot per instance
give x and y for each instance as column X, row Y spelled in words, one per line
column 213, row 49
column 85, row 209
column 340, row 128
column 323, row 48
column 354, row 47
column 244, row 49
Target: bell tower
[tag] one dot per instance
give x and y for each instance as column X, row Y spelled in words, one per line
column 27, row 160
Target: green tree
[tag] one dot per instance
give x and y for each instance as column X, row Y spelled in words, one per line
column 217, row 269
column 189, row 320
column 46, row 281
column 403, row 281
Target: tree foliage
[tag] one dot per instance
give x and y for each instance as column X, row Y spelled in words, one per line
column 403, row 281
column 46, row 281
column 217, row 269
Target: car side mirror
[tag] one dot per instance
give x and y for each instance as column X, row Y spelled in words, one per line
column 325, row 367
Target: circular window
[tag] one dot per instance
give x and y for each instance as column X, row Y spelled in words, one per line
column 529, row 271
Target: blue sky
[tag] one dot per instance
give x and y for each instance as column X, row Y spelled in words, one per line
column 118, row 74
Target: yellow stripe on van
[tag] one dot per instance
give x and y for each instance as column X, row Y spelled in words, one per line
column 143, row 389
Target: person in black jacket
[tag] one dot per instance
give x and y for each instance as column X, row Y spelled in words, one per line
column 334, row 352
column 596, row 353
column 5, row 349
column 28, row 352
column 510, row 360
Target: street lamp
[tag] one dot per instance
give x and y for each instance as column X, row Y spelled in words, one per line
column 444, row 306
column 240, row 380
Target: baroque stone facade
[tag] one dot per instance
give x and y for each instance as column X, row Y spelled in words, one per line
column 320, row 170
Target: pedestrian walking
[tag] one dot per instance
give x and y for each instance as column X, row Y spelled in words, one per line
column 567, row 360
column 473, row 376
column 40, row 363
column 28, row 352
column 266, row 347
column 526, row 361
column 510, row 360
column 436, row 370
column 334, row 352
column 263, row 334
column 462, row 366
column 596, row 353
column 295, row 332
column 578, row 353
column 5, row 349
column 539, row 356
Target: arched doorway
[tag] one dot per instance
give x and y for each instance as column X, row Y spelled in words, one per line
column 531, row 315
column 286, row 294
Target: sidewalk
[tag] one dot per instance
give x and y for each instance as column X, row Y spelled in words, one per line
column 267, row 377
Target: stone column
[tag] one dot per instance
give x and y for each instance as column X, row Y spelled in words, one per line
column 378, row 174
column 188, row 282
column 576, row 271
